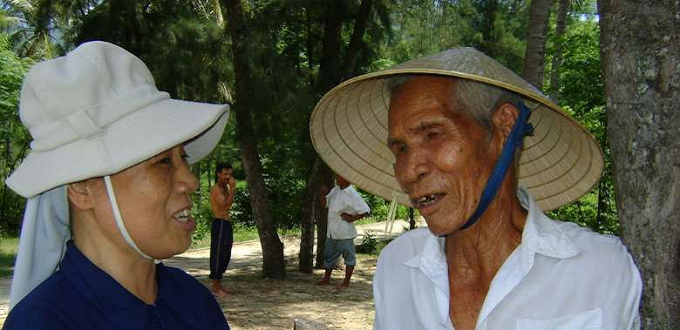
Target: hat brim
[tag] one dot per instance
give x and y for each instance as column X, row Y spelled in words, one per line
column 130, row 140
column 559, row 163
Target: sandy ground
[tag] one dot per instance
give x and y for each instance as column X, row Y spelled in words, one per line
column 257, row 303
column 262, row 304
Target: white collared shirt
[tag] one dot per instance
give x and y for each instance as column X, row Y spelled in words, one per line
column 561, row 277
column 341, row 201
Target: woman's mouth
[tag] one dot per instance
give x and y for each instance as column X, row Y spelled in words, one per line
column 182, row 216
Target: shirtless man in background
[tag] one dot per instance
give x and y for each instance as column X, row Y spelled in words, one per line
column 222, row 231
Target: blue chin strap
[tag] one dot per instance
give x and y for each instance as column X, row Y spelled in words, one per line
column 521, row 129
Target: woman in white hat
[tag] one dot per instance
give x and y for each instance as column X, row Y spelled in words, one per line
column 108, row 186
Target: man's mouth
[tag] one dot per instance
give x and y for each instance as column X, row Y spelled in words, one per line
column 426, row 200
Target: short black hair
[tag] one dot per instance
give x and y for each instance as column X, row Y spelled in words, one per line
column 222, row 166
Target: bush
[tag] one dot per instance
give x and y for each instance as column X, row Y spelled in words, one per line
column 368, row 244
column 381, row 207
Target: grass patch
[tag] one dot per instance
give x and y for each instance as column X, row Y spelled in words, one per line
column 8, row 252
column 242, row 234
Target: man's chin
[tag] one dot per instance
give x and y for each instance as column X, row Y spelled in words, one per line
column 438, row 230
column 442, row 227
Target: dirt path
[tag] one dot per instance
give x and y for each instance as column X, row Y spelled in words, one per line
column 264, row 304
column 257, row 303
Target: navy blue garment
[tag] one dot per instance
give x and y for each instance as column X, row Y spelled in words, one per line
column 221, row 242
column 81, row 296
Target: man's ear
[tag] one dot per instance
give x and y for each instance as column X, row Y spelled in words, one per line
column 504, row 118
column 80, row 195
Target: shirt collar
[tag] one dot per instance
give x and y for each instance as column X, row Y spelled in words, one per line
column 105, row 293
column 432, row 259
column 542, row 235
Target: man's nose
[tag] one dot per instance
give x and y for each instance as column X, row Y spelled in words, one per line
column 412, row 166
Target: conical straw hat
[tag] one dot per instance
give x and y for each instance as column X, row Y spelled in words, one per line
column 559, row 163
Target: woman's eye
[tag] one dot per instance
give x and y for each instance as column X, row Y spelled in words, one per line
column 165, row 161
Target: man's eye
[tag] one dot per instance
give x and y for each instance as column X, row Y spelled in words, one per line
column 431, row 135
column 185, row 157
column 398, row 149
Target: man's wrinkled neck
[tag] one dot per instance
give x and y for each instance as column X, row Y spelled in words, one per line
column 476, row 253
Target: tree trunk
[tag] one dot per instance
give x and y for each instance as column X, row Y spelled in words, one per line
column 329, row 69
column 272, row 249
column 311, row 212
column 562, row 9
column 330, row 63
column 330, row 74
column 489, row 11
column 641, row 57
column 357, row 38
column 537, row 32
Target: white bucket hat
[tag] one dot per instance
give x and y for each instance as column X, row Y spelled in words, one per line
column 559, row 163
column 92, row 113
column 96, row 111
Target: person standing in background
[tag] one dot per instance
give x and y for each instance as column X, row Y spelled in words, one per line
column 222, row 229
column 345, row 206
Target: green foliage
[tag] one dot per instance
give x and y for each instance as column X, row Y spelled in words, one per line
column 241, row 211
column 189, row 53
column 183, row 48
column 381, row 207
column 14, row 139
column 582, row 96
column 8, row 252
column 422, row 27
column 369, row 244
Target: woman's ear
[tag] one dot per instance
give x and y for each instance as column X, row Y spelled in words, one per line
column 80, row 194
column 504, row 118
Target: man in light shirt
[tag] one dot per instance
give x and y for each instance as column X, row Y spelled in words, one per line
column 345, row 206
column 481, row 154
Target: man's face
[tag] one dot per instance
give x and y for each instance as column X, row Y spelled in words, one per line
column 342, row 182
column 442, row 156
column 224, row 175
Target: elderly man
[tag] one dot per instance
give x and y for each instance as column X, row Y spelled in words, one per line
column 453, row 127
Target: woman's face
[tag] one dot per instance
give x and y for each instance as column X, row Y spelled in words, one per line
column 154, row 202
